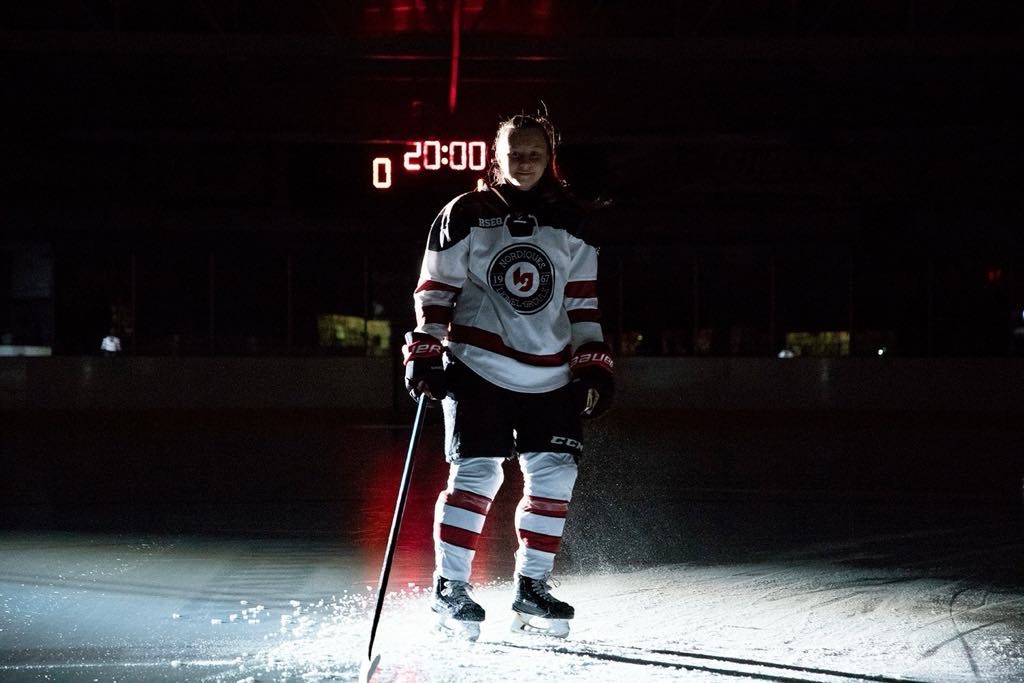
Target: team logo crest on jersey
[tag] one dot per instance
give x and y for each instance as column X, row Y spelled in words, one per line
column 522, row 275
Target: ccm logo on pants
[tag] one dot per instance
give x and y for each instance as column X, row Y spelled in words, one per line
column 567, row 441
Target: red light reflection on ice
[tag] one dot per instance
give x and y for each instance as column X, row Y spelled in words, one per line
column 414, row 555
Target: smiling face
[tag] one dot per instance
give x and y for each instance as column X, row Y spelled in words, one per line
column 523, row 156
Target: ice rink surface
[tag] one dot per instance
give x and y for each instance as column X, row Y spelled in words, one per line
column 930, row 606
column 669, row 584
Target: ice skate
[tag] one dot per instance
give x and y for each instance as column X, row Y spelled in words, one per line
column 458, row 614
column 537, row 612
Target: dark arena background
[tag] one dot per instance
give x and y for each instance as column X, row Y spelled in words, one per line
column 812, row 276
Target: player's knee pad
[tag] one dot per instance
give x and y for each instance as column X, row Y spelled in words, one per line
column 548, row 475
column 482, row 476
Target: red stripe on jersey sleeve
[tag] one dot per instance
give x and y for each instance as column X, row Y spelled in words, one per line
column 583, row 289
column 492, row 342
column 467, row 500
column 435, row 286
column 460, row 537
column 584, row 315
column 531, row 539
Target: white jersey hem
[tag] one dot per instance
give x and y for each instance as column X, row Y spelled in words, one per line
column 458, row 350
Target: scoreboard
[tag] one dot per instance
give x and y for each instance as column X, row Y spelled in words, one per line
column 395, row 164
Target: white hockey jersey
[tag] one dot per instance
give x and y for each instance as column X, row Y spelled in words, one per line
column 509, row 284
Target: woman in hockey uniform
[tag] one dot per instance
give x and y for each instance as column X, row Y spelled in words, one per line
column 508, row 338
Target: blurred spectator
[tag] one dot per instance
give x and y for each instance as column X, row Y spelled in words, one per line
column 111, row 344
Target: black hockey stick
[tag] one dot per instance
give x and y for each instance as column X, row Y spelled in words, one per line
column 370, row 663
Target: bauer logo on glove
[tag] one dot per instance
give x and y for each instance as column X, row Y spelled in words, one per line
column 422, row 350
column 424, row 366
column 601, row 358
column 592, row 382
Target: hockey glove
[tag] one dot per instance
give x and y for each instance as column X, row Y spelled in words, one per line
column 592, row 383
column 424, row 366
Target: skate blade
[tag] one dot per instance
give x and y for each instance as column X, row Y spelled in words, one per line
column 539, row 626
column 460, row 630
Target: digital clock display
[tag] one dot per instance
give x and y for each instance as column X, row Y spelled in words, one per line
column 420, row 156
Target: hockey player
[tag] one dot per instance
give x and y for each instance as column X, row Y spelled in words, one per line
column 508, row 338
